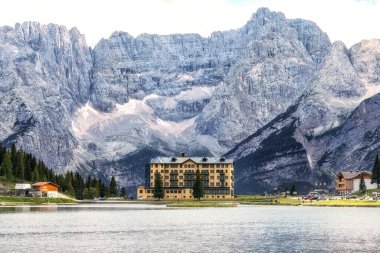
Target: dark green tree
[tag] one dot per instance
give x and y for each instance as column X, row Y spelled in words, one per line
column 198, row 191
column 13, row 159
column 28, row 168
column 362, row 186
column 292, row 189
column 113, row 187
column 6, row 166
column 158, row 190
column 123, row 192
column 20, row 168
column 376, row 172
column 78, row 185
column 36, row 174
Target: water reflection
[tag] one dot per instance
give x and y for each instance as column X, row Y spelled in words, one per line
column 87, row 207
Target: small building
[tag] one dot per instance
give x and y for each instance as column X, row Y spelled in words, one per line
column 45, row 189
column 22, row 189
column 349, row 181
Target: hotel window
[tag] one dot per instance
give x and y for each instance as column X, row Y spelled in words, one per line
column 185, row 165
column 148, row 191
column 211, row 177
column 156, row 171
column 151, row 171
column 166, row 165
column 180, row 177
column 213, row 171
column 226, row 177
column 192, row 166
column 156, row 165
column 166, row 184
column 180, row 171
column 151, row 184
column 226, row 184
column 204, row 165
column 217, row 184
column 162, row 171
column 151, row 177
column 217, row 171
column 226, row 171
column 141, row 191
column 217, row 166
column 212, row 165
column 181, row 184
column 218, row 177
column 166, row 177
column 211, row 184
column 166, row 171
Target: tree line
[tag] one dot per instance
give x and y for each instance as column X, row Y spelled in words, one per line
column 19, row 166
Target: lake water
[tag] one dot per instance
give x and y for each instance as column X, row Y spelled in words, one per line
column 153, row 228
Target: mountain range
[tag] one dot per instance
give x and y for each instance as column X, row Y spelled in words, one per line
column 275, row 95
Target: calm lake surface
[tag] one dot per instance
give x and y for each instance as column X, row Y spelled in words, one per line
column 153, row 228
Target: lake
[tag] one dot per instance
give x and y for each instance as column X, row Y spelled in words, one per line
column 155, row 228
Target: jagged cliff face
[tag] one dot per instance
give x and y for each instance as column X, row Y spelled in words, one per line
column 318, row 135
column 44, row 79
column 110, row 109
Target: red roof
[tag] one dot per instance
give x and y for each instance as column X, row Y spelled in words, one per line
column 43, row 183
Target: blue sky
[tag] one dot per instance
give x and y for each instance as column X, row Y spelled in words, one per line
column 346, row 20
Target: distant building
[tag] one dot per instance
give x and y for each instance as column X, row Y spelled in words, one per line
column 22, row 189
column 349, row 181
column 45, row 189
column 178, row 176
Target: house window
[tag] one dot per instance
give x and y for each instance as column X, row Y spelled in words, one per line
column 141, row 191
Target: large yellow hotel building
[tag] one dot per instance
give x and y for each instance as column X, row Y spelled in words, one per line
column 178, row 176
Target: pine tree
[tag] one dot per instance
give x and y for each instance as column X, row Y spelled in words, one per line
column 198, row 191
column 376, row 172
column 292, row 189
column 123, row 192
column 362, row 186
column 113, row 187
column 158, row 190
column 13, row 159
column 36, row 174
column 6, row 166
column 20, row 165
column 28, row 168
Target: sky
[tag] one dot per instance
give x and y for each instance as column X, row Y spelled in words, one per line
column 347, row 20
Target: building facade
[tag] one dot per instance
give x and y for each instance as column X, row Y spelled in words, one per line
column 178, row 177
column 45, row 189
column 349, row 181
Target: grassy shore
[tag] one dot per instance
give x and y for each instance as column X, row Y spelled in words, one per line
column 19, row 201
column 202, row 204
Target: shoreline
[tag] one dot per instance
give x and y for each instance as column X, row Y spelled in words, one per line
column 206, row 203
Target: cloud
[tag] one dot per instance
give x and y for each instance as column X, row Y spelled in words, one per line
column 346, row 20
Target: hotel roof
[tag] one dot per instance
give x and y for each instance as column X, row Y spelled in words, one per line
column 200, row 160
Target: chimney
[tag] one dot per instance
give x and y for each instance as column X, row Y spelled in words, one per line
column 183, row 154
